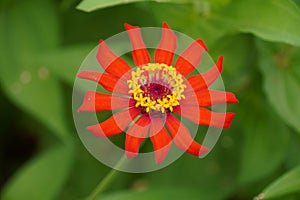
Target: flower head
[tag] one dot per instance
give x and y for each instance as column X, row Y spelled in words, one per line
column 147, row 98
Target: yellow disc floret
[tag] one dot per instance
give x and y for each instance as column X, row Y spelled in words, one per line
column 156, row 87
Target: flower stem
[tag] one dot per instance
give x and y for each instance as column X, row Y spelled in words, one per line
column 105, row 182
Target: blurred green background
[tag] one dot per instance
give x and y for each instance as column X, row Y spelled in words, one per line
column 42, row 44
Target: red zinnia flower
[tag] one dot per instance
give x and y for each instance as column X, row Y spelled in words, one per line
column 146, row 100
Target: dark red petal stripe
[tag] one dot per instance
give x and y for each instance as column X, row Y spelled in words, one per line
column 110, row 61
column 108, row 82
column 115, row 124
column 140, row 53
column 135, row 135
column 160, row 139
column 203, row 116
column 95, row 101
column 182, row 138
column 167, row 46
column 190, row 57
column 203, row 81
column 208, row 98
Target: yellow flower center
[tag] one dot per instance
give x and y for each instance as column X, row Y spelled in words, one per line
column 156, row 87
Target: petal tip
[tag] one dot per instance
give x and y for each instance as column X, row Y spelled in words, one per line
column 158, row 160
column 165, row 25
column 89, row 75
column 88, row 104
column 202, row 44
column 231, row 98
column 203, row 150
column 80, row 74
column 80, row 109
column 161, row 154
column 130, row 155
column 219, row 63
column 235, row 99
column 228, row 119
column 96, row 131
column 129, row 27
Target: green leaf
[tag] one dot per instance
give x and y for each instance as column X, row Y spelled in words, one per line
column 85, row 175
column 194, row 20
column 237, row 69
column 40, row 97
column 42, row 177
column 297, row 2
column 213, row 176
column 91, row 5
column 24, row 34
column 161, row 194
column 294, row 148
column 265, row 140
column 29, row 26
column 279, row 65
column 259, row 136
column 273, row 20
column 286, row 184
column 65, row 62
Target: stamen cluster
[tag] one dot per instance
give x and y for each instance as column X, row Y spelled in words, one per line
column 156, row 87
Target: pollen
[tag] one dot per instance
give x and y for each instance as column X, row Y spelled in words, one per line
column 156, row 87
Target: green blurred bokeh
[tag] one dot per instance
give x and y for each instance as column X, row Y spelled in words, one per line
column 42, row 44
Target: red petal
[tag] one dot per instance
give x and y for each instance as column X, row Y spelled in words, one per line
column 190, row 57
column 160, row 139
column 140, row 127
column 115, row 124
column 95, row 101
column 182, row 138
column 208, row 98
column 167, row 46
column 140, row 53
column 135, row 135
column 109, row 82
column 214, row 72
column 110, row 61
column 203, row 81
column 203, row 116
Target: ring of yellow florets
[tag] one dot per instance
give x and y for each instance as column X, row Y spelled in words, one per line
column 167, row 83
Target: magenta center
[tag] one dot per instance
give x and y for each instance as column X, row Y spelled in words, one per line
column 155, row 91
